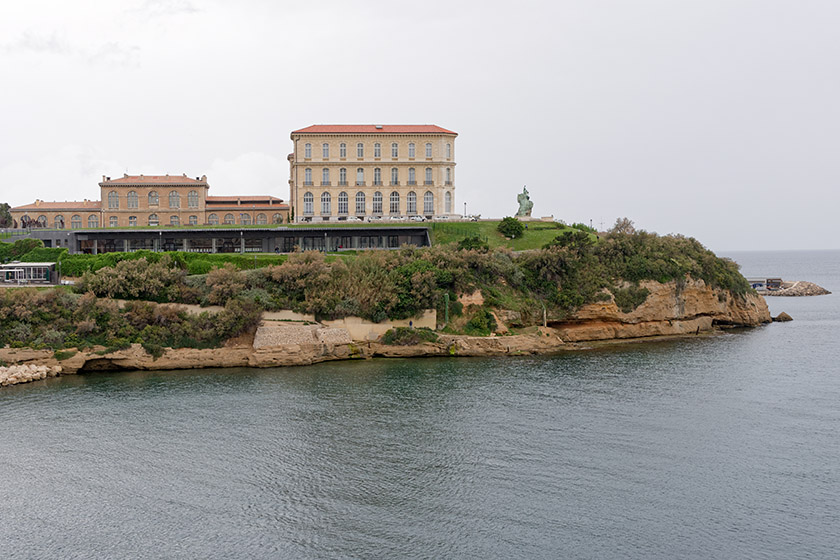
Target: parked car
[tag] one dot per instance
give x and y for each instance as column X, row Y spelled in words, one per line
column 397, row 219
column 374, row 218
column 418, row 219
column 440, row 218
column 353, row 219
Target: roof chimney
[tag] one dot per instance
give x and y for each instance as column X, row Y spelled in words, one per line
column 104, row 178
column 204, row 178
column 125, row 175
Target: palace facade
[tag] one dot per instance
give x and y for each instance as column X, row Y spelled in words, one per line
column 340, row 172
column 153, row 200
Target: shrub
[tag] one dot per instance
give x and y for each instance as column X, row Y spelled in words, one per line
column 473, row 243
column 511, row 227
column 64, row 354
column 628, row 299
column 481, row 324
column 404, row 336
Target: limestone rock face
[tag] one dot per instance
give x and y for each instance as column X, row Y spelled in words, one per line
column 782, row 318
column 670, row 309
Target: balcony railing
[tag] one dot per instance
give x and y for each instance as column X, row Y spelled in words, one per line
column 308, row 183
column 377, row 183
column 360, row 183
column 428, row 182
column 448, row 183
column 395, row 183
column 342, row 183
column 326, row 183
column 411, row 183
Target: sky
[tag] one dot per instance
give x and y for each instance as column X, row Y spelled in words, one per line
column 715, row 119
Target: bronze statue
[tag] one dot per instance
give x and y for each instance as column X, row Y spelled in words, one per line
column 525, row 204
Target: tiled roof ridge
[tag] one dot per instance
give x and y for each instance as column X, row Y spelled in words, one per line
column 374, row 129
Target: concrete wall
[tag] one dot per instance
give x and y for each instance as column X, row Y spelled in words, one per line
column 362, row 329
column 287, row 315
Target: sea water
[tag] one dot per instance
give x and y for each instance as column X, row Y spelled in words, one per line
column 710, row 447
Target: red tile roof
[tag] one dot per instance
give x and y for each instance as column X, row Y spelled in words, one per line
column 373, row 129
column 65, row 205
column 249, row 198
column 155, row 180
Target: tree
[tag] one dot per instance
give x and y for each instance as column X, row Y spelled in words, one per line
column 5, row 216
column 575, row 240
column 623, row 225
column 511, row 227
column 473, row 243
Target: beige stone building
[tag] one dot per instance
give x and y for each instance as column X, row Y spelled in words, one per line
column 153, row 200
column 371, row 171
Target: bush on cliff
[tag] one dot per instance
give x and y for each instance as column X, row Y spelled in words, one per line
column 404, row 336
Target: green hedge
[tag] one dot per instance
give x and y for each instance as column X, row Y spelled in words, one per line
column 193, row 263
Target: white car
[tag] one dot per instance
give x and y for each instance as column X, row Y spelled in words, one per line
column 397, row 219
column 418, row 219
column 440, row 218
column 353, row 219
column 374, row 218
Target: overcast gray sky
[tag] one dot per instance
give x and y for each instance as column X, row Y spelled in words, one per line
column 717, row 119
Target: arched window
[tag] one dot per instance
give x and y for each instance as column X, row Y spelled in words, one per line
column 113, row 200
column 245, row 219
column 377, row 176
column 411, row 150
column 132, row 221
column 153, row 220
column 326, row 204
column 213, row 219
column 325, row 150
column 174, row 220
column 448, row 151
column 307, row 177
column 377, row 150
column 395, row 176
column 131, row 200
column 412, row 180
column 342, row 202
column 58, row 222
column 192, row 199
column 428, row 203
column 360, row 177
column 307, row 150
column 113, row 222
column 428, row 175
column 411, row 203
column 377, row 202
column 342, row 176
column 342, row 150
column 308, row 202
column 360, row 150
column 395, row 150
column 229, row 219
column 447, row 199
column 360, row 202
column 93, row 221
column 42, row 221
column 395, row 203
column 325, row 176
column 153, row 198
column 261, row 219
column 277, row 219
column 174, row 199
column 193, row 220
column 428, row 149
column 76, row 221
column 448, row 176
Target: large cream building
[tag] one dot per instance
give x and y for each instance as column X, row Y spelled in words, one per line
column 364, row 171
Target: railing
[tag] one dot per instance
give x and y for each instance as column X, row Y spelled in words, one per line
column 411, row 183
column 326, row 183
column 342, row 183
column 395, row 183
column 308, row 183
column 360, row 183
column 448, row 183
column 428, row 182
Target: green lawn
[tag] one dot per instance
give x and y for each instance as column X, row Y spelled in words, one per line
column 537, row 234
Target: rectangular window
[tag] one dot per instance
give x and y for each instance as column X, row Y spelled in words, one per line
column 325, row 149
column 377, row 150
column 360, row 150
column 428, row 149
column 395, row 151
column 342, row 150
column 411, row 150
column 307, row 151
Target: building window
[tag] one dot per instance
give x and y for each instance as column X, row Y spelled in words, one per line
column 360, row 150
column 377, row 202
column 325, row 150
column 448, row 151
column 261, row 219
column 131, row 200
column 58, row 222
column 93, row 221
column 428, row 175
column 342, row 176
column 229, row 219
column 377, row 176
column 395, row 176
column 395, row 149
column 307, row 177
column 192, row 199
column 377, row 150
column 428, row 203
column 174, row 199
column 245, row 219
column 428, row 149
column 342, row 202
column 307, row 150
column 193, row 220
column 411, row 203
column 112, row 221
column 325, row 176
column 360, row 202
column 411, row 150
column 213, row 219
column 277, row 219
column 42, row 220
column 308, row 201
column 360, row 176
column 153, row 220
column 342, row 150
column 395, row 203
column 174, row 220
column 76, row 221
column 447, row 199
column 448, row 176
column 113, row 200
column 153, row 198
column 132, row 221
column 326, row 204
column 412, row 180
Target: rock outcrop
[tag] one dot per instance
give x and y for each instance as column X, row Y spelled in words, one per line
column 798, row 288
column 782, row 318
column 23, row 373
